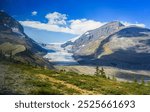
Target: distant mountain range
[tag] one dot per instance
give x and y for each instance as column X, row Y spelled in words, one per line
column 113, row 44
column 15, row 44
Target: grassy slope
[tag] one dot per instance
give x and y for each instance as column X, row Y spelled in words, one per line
column 23, row 79
column 120, row 74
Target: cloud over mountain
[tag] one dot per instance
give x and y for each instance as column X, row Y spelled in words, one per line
column 58, row 22
column 136, row 24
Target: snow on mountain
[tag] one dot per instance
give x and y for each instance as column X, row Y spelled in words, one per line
column 16, row 30
column 74, row 39
column 61, row 56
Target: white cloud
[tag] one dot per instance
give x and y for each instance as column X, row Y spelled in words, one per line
column 44, row 26
column 34, row 13
column 80, row 26
column 56, row 18
column 58, row 22
column 135, row 24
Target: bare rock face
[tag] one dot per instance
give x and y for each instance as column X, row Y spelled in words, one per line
column 87, row 43
column 114, row 45
column 13, row 41
column 7, row 23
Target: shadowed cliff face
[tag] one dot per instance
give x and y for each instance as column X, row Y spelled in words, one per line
column 130, row 39
column 15, row 43
column 127, row 59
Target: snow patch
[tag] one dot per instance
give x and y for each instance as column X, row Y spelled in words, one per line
column 83, row 45
column 6, row 25
column 74, row 39
column 87, row 33
column 16, row 30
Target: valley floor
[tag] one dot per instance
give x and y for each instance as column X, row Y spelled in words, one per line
column 62, row 59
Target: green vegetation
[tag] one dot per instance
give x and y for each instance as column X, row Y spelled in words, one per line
column 99, row 72
column 23, row 79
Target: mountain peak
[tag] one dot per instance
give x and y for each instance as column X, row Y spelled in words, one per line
column 114, row 24
column 14, row 42
column 4, row 15
column 9, row 23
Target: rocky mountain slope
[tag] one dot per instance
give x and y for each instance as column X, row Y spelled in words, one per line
column 114, row 45
column 16, row 45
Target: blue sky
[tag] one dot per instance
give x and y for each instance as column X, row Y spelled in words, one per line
column 64, row 19
column 47, row 36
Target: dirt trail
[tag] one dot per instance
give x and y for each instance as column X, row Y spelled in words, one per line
column 54, row 80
